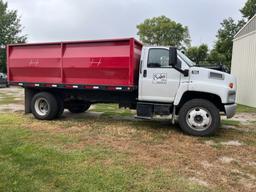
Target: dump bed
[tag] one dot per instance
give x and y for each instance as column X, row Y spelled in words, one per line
column 79, row 64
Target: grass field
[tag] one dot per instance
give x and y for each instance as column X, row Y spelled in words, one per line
column 66, row 156
column 245, row 109
column 105, row 149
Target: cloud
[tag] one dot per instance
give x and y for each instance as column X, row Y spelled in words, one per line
column 59, row 20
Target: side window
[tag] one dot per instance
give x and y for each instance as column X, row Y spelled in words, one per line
column 158, row 58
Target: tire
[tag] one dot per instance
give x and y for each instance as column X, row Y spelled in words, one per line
column 199, row 117
column 44, row 106
column 79, row 107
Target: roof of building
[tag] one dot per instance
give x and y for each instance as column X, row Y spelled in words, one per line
column 249, row 27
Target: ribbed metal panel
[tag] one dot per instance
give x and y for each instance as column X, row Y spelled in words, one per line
column 244, row 68
column 248, row 28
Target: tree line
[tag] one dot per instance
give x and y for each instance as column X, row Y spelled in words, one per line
column 10, row 31
column 153, row 31
column 163, row 31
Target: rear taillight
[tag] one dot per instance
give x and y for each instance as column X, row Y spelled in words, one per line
column 231, row 85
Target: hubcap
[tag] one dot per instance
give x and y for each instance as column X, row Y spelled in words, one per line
column 199, row 119
column 41, row 106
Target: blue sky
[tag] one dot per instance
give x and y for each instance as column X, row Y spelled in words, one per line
column 60, row 20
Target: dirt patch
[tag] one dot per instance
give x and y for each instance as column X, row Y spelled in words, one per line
column 226, row 159
column 17, row 95
column 199, row 181
column 247, row 180
column 11, row 108
column 206, row 164
column 231, row 143
column 245, row 118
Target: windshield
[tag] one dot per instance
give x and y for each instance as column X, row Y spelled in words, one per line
column 186, row 59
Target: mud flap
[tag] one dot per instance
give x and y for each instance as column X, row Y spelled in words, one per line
column 29, row 93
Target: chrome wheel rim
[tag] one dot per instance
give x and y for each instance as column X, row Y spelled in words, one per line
column 199, row 119
column 41, row 106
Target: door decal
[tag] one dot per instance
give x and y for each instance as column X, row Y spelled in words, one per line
column 159, row 78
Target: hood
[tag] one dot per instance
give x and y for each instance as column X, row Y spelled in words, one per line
column 212, row 76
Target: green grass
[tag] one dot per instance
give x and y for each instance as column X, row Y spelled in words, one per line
column 39, row 160
column 245, row 109
column 230, row 122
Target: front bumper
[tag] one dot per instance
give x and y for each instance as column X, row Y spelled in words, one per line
column 230, row 110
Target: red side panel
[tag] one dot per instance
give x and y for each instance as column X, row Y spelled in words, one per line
column 96, row 63
column 107, row 62
column 35, row 63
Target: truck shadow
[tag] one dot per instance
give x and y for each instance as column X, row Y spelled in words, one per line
column 155, row 125
column 159, row 124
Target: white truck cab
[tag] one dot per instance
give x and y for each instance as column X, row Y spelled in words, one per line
column 196, row 94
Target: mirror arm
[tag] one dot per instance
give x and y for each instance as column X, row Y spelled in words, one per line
column 184, row 72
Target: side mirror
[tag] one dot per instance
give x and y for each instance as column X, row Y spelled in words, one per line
column 173, row 61
column 173, row 58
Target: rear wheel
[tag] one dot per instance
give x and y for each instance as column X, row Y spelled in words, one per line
column 199, row 117
column 44, row 106
column 79, row 107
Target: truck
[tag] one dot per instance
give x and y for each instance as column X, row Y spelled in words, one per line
column 3, row 80
column 153, row 80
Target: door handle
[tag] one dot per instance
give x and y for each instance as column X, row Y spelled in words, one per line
column 144, row 73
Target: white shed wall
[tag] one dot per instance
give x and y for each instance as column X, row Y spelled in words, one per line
column 244, row 68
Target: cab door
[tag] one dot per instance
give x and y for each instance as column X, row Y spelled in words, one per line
column 158, row 81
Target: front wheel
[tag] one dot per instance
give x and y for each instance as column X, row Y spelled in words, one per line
column 199, row 117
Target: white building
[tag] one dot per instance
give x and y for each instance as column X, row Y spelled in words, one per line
column 244, row 63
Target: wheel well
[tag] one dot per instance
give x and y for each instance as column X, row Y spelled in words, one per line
column 189, row 95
